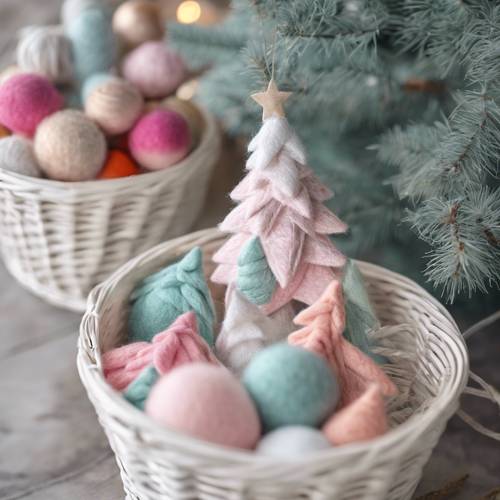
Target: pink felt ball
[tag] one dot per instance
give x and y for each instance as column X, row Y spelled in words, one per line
column 160, row 139
column 25, row 100
column 207, row 402
column 155, row 69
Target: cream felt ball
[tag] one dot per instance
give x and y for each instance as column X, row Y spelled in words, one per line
column 291, row 386
column 138, row 21
column 114, row 105
column 155, row 69
column 70, row 147
column 16, row 155
column 94, row 44
column 25, row 100
column 46, row 50
column 92, row 82
column 292, row 442
column 160, row 139
column 206, row 402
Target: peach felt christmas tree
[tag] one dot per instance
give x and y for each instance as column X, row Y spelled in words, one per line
column 280, row 214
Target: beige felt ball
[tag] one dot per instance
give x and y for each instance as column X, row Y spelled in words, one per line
column 191, row 113
column 70, row 147
column 138, row 21
column 115, row 105
column 16, row 155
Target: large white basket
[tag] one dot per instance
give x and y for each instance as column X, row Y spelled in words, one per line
column 60, row 239
column 429, row 365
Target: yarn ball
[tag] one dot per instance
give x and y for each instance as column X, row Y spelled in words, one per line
column 92, row 82
column 206, row 402
column 292, row 442
column 291, row 386
column 118, row 164
column 191, row 113
column 16, row 155
column 71, row 9
column 115, row 106
column 94, row 45
column 155, row 69
column 8, row 72
column 138, row 21
column 162, row 297
column 4, row 132
column 25, row 100
column 46, row 50
column 138, row 391
column 70, row 147
column 160, row 139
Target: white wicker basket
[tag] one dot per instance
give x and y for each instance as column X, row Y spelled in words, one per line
column 429, row 365
column 60, row 239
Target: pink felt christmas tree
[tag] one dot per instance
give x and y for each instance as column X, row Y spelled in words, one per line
column 281, row 203
column 323, row 324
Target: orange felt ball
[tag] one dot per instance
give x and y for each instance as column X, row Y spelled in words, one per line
column 4, row 132
column 118, row 165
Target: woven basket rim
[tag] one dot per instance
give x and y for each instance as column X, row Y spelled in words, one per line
column 401, row 437
column 100, row 185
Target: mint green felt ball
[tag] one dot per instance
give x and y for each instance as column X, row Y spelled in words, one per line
column 291, row 386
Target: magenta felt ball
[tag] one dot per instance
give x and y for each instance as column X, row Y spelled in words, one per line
column 160, row 139
column 25, row 100
column 207, row 402
column 155, row 69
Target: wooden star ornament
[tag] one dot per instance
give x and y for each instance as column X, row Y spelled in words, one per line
column 271, row 100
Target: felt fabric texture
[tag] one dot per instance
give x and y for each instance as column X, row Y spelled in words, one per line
column 70, row 147
column 118, row 164
column 92, row 82
column 323, row 324
column 281, row 203
column 115, row 105
column 71, row 9
column 192, row 115
column 246, row 330
column 138, row 390
column 25, row 100
column 138, row 21
column 46, row 50
column 162, row 297
column 160, row 139
column 94, row 44
column 291, row 386
column 292, row 442
column 206, row 402
column 362, row 420
column 360, row 316
column 180, row 343
column 255, row 278
column 155, row 69
column 16, row 155
column 9, row 71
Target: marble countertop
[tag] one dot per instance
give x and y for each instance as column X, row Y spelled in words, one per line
column 51, row 445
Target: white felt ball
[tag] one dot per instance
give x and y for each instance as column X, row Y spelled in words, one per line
column 47, row 51
column 115, row 105
column 16, row 155
column 292, row 442
column 70, row 147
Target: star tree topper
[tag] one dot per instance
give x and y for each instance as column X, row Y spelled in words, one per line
column 271, row 100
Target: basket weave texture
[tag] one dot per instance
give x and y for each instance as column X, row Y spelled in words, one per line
column 60, row 239
column 428, row 363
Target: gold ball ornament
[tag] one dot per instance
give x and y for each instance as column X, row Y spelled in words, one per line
column 192, row 115
column 138, row 21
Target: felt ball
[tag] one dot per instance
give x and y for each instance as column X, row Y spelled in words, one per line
column 94, row 45
column 138, row 21
column 114, row 105
column 25, row 100
column 8, row 72
column 4, row 132
column 155, row 69
column 70, row 147
column 16, row 155
column 92, row 82
column 118, row 164
column 291, row 386
column 46, row 50
column 291, row 442
column 206, row 402
column 160, row 139
column 191, row 113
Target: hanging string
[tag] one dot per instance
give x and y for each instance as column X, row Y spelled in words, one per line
column 481, row 325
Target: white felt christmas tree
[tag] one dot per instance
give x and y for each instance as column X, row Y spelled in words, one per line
column 281, row 204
